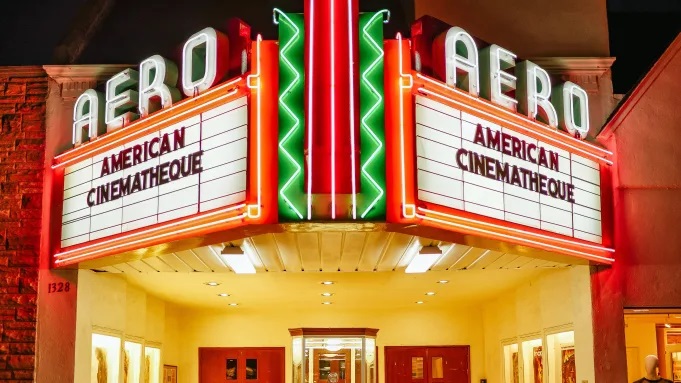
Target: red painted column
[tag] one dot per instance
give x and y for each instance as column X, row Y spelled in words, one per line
column 610, row 360
column 331, row 100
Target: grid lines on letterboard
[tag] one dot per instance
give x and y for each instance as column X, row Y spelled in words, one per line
column 442, row 130
column 222, row 134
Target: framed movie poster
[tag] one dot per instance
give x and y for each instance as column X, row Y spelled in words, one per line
column 511, row 363
column 132, row 362
column 537, row 364
column 676, row 366
column 152, row 365
column 105, row 362
column 169, row 374
column 532, row 361
column 568, row 370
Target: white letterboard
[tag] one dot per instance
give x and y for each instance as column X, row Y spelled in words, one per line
column 442, row 130
column 221, row 133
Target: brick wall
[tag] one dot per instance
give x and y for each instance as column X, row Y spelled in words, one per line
column 23, row 91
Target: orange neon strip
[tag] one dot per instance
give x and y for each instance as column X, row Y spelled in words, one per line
column 228, row 91
column 514, row 121
column 263, row 159
column 254, row 83
column 450, row 221
column 517, row 230
column 400, row 133
column 171, row 231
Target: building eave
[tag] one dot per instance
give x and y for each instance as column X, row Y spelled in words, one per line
column 636, row 94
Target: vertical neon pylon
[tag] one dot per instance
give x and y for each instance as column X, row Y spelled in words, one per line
column 332, row 118
column 372, row 115
column 292, row 196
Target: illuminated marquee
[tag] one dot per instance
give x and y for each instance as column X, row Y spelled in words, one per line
column 479, row 150
column 331, row 123
column 149, row 168
column 195, row 165
column 475, row 165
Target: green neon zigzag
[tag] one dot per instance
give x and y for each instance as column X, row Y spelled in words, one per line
column 284, row 105
column 376, row 105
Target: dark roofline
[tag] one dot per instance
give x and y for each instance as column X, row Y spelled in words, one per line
column 88, row 20
column 631, row 99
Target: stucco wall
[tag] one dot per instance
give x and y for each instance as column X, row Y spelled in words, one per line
column 555, row 302
column 644, row 134
column 110, row 306
column 531, row 28
column 648, row 188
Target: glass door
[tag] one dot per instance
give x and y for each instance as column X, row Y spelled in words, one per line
column 328, row 355
column 332, row 367
column 676, row 366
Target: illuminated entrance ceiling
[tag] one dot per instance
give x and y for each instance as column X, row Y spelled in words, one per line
column 332, row 251
column 351, row 291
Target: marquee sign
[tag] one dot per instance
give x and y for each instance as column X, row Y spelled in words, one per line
column 193, row 166
column 478, row 166
column 471, row 164
column 331, row 123
column 152, row 169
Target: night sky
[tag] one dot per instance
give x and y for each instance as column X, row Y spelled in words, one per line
column 640, row 30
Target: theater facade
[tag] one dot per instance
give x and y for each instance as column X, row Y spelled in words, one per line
column 337, row 205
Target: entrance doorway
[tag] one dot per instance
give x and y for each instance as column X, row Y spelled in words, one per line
column 333, row 367
column 427, row 364
column 653, row 332
column 241, row 365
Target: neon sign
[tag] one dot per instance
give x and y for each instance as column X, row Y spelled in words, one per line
column 331, row 115
column 474, row 166
column 352, row 132
column 493, row 73
column 132, row 94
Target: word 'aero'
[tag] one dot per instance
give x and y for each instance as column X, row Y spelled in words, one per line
column 131, row 94
column 480, row 72
column 486, row 72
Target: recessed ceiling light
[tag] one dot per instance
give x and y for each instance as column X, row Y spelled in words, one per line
column 430, row 293
column 327, row 294
column 212, row 284
column 233, row 304
column 328, row 283
column 667, row 325
column 419, row 302
column 443, row 281
column 326, row 303
column 223, row 295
